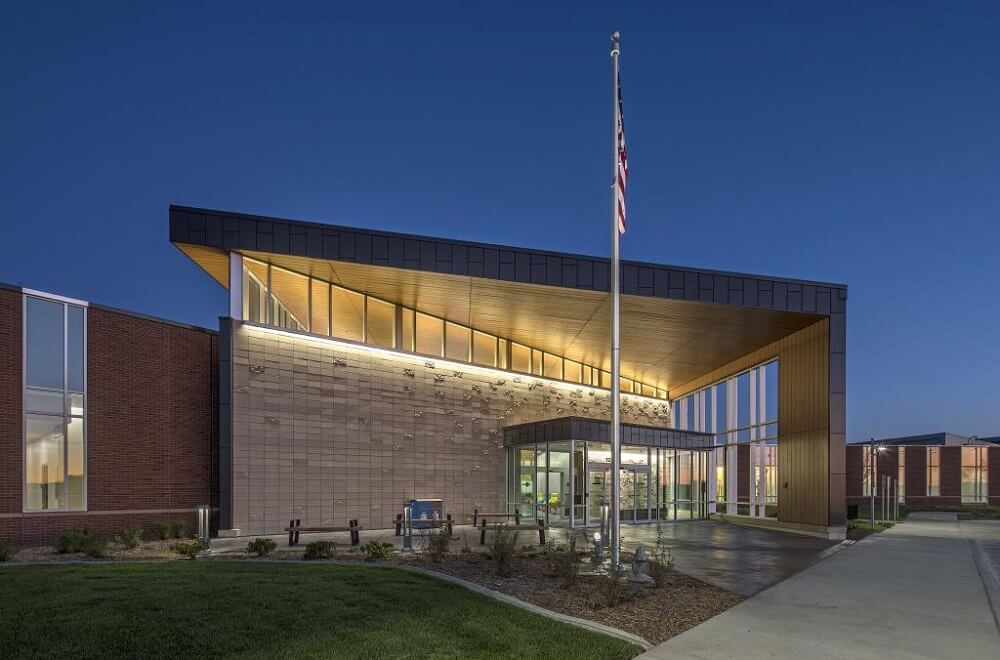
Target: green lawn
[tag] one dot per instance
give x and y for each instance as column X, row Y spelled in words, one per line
column 860, row 523
column 190, row 609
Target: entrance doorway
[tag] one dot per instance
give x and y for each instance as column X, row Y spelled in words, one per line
column 634, row 493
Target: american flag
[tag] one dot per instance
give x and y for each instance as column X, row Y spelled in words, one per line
column 622, row 163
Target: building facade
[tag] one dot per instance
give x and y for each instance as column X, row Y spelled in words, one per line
column 355, row 370
column 360, row 369
column 107, row 419
column 927, row 471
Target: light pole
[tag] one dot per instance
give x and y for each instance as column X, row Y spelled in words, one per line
column 874, row 475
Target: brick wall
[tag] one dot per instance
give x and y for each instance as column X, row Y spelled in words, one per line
column 916, row 472
column 152, row 430
column 327, row 432
column 10, row 403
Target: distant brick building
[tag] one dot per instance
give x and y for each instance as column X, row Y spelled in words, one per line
column 932, row 470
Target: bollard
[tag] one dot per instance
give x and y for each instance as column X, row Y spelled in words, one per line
column 204, row 512
column 407, row 530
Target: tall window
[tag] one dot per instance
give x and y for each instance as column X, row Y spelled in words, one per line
column 54, row 405
column 901, row 477
column 974, row 475
column 867, row 471
column 933, row 471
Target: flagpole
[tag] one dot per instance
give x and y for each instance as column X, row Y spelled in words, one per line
column 615, row 435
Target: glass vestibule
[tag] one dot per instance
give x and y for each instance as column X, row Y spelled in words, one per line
column 568, row 483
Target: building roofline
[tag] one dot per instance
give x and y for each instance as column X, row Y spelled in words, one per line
column 489, row 246
column 116, row 310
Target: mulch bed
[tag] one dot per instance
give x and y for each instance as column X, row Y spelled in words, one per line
column 654, row 614
column 147, row 550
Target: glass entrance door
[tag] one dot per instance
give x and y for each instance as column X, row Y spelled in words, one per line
column 633, row 493
column 598, row 493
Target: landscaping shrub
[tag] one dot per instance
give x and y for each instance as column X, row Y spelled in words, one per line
column 7, row 550
column 189, row 549
column 437, row 544
column 465, row 544
column 374, row 550
column 177, row 529
column 95, row 546
column 661, row 563
column 261, row 547
column 565, row 562
column 320, row 550
column 504, row 549
column 75, row 540
column 129, row 538
column 162, row 530
column 613, row 589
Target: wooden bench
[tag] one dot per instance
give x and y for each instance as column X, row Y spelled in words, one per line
column 295, row 527
column 476, row 515
column 537, row 527
column 429, row 522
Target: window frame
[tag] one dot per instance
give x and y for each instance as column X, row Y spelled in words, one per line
column 66, row 415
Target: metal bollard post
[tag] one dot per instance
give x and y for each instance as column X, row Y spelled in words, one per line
column 407, row 529
column 203, row 511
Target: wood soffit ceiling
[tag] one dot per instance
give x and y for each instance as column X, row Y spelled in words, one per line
column 663, row 342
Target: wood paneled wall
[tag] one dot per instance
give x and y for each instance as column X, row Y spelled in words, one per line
column 803, row 419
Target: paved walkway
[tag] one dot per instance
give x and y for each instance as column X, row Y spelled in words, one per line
column 737, row 558
column 914, row 591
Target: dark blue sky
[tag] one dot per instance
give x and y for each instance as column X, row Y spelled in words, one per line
column 854, row 142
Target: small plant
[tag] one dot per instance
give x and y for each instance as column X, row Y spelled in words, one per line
column 374, row 550
column 465, row 544
column 7, row 550
column 177, row 529
column 662, row 561
column 504, row 549
column 189, row 549
column 320, row 550
column 565, row 562
column 162, row 530
column 95, row 547
column 75, row 540
column 261, row 547
column 613, row 589
column 129, row 538
column 437, row 543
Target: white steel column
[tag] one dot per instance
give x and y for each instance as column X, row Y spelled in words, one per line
column 236, row 286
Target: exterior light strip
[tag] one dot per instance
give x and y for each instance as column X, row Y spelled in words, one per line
column 445, row 362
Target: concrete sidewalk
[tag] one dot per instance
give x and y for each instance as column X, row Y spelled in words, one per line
column 912, row 592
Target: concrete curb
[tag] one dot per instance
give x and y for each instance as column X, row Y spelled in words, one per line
column 991, row 581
